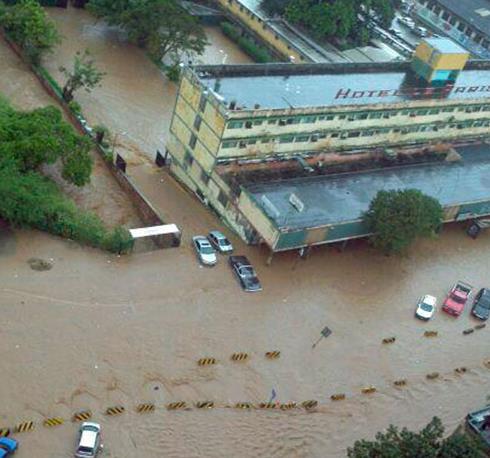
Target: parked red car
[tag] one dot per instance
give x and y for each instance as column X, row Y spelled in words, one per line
column 457, row 298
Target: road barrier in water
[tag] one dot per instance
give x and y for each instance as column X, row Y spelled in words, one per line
column 401, row 382
column 145, row 408
column 389, row 340
column 460, row 370
column 179, row 405
column 369, row 390
column 206, row 361
column 468, row 331
column 205, row 405
column 24, row 427
column 480, row 326
column 273, row 354
column 288, row 405
column 116, row 410
column 337, row 397
column 239, row 357
column 54, row 421
column 267, row 405
column 83, row 415
column 432, row 376
column 431, row 333
column 4, row 432
column 243, row 405
column 310, row 404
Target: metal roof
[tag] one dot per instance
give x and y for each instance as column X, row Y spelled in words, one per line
column 472, row 12
column 334, row 199
column 445, row 45
column 154, row 230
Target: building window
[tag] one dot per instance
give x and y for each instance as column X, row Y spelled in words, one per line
column 329, row 118
column 202, row 103
column 375, row 115
column 434, row 111
column 353, row 134
column 286, row 139
column 242, row 144
column 235, row 125
column 197, row 122
column 192, row 141
column 308, row 119
column 271, row 121
column 301, row 138
column 229, row 144
column 204, row 177
column 248, row 124
column 342, row 116
column 222, row 199
column 335, row 135
column 188, row 159
column 258, row 123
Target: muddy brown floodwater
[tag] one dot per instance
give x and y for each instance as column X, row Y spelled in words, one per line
column 99, row 330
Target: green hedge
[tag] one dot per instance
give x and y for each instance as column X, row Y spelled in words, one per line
column 41, row 2
column 257, row 53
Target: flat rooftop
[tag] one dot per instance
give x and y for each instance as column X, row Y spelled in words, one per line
column 473, row 12
column 334, row 199
column 445, row 45
column 332, row 85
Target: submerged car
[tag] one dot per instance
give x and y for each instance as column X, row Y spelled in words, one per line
column 205, row 252
column 89, row 441
column 426, row 307
column 481, row 306
column 220, row 242
column 7, row 446
column 245, row 273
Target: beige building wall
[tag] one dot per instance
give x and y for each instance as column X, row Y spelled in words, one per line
column 262, row 29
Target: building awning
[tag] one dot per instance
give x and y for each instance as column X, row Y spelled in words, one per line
column 154, row 230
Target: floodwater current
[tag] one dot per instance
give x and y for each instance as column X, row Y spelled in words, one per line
column 99, row 330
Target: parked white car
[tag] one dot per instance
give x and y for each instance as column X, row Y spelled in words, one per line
column 205, row 252
column 426, row 307
column 89, row 441
column 220, row 242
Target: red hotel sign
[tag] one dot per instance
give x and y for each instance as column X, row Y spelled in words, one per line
column 410, row 92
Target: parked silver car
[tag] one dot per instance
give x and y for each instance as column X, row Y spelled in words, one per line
column 220, row 242
column 205, row 252
column 88, row 441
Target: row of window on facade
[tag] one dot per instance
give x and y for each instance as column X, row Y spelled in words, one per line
column 204, row 177
column 355, row 133
column 456, row 22
column 357, row 116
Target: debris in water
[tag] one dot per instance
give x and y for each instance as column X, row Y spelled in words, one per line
column 40, row 264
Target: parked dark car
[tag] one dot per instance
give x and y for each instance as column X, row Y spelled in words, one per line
column 245, row 273
column 481, row 306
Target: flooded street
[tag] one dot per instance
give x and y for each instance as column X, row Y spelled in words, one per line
column 100, row 330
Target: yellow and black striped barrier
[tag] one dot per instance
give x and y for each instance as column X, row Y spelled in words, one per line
column 460, row 370
column 4, row 432
column 205, row 405
column 243, row 405
column 389, row 340
column 468, row 331
column 310, row 404
column 54, row 421
column 83, row 415
column 431, row 334
column 288, row 406
column 206, row 361
column 267, row 405
column 24, row 427
column 400, row 382
column 273, row 354
column 177, row 405
column 337, row 397
column 116, row 410
column 145, row 408
column 239, row 356
column 480, row 326
column 369, row 390
column 432, row 376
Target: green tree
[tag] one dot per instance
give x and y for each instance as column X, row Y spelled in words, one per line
column 29, row 26
column 397, row 217
column 428, row 443
column 162, row 27
column 42, row 137
column 83, row 75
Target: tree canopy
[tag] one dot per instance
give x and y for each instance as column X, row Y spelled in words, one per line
column 162, row 27
column 329, row 19
column 427, row 443
column 28, row 25
column 398, row 217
